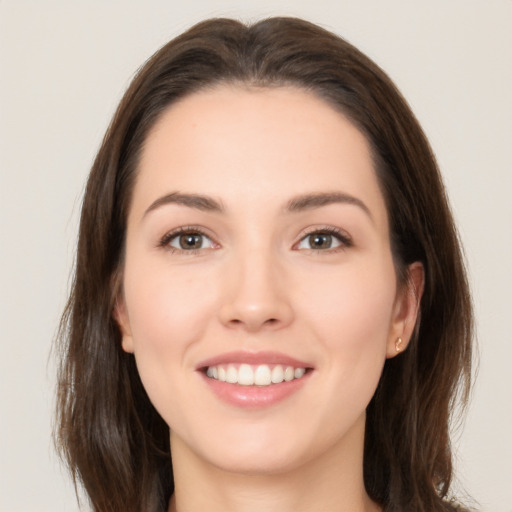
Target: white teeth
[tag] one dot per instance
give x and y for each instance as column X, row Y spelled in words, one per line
column 231, row 374
column 277, row 374
column 245, row 375
column 298, row 373
column 261, row 375
column 212, row 372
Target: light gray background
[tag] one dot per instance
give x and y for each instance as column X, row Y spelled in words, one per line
column 63, row 68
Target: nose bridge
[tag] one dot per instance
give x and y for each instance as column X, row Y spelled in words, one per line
column 256, row 297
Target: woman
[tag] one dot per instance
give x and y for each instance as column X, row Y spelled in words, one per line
column 269, row 287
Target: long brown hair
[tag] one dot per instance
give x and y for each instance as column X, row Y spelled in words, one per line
column 116, row 444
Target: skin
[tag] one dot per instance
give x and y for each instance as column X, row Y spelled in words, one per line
column 257, row 285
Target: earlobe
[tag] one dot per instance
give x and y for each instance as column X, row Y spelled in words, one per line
column 406, row 313
column 121, row 317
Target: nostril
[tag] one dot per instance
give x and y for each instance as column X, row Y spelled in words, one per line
column 270, row 322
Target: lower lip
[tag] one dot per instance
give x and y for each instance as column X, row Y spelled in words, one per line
column 252, row 397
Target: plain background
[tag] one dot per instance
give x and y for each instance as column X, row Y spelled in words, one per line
column 63, row 68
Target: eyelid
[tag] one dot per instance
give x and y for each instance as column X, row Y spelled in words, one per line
column 164, row 241
column 341, row 236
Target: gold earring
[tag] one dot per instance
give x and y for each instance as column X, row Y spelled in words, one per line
column 398, row 342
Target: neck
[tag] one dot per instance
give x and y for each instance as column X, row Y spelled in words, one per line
column 331, row 483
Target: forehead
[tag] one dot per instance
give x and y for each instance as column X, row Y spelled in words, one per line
column 250, row 143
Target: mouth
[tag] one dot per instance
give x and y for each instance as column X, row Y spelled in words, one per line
column 255, row 375
column 245, row 379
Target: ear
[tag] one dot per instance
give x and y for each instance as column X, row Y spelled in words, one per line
column 121, row 317
column 406, row 310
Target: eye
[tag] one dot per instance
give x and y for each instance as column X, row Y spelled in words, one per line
column 323, row 240
column 189, row 240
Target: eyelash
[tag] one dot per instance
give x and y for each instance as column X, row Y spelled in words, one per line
column 341, row 236
column 166, row 240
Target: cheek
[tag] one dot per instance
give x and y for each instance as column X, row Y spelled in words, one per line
column 354, row 307
column 166, row 309
column 352, row 318
column 352, row 321
column 169, row 312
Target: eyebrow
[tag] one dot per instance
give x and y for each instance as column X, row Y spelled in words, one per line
column 317, row 200
column 199, row 202
column 296, row 204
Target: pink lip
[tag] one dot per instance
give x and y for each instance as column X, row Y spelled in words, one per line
column 253, row 397
column 254, row 358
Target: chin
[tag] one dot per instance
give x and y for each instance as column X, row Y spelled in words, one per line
column 250, row 451
column 270, row 462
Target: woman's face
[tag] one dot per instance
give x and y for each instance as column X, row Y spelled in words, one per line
column 259, row 294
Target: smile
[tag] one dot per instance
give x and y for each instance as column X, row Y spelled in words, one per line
column 254, row 375
column 254, row 380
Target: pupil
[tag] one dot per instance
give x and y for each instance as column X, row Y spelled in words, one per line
column 321, row 241
column 190, row 241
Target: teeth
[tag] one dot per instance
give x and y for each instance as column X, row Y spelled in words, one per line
column 288, row 374
column 262, row 375
column 298, row 373
column 231, row 375
column 247, row 375
column 277, row 374
column 212, row 372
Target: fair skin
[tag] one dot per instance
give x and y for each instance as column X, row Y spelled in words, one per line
column 284, row 260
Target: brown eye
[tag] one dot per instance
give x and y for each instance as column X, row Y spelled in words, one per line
column 324, row 241
column 320, row 241
column 190, row 241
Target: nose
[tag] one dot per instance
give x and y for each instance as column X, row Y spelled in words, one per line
column 256, row 297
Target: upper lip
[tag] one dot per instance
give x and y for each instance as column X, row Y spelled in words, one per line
column 254, row 358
